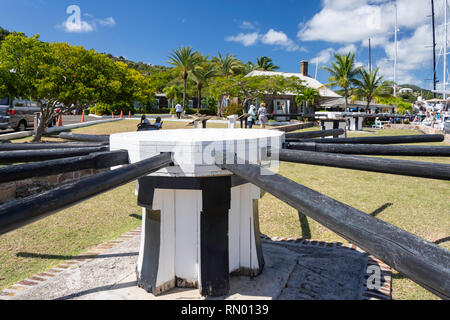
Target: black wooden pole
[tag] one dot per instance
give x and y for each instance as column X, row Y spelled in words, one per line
column 373, row 149
column 399, row 167
column 381, row 140
column 99, row 160
column 7, row 157
column 423, row 262
column 43, row 146
column 84, row 137
column 18, row 213
column 314, row 134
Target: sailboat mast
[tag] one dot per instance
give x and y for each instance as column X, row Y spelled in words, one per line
column 434, row 48
column 396, row 52
column 445, row 50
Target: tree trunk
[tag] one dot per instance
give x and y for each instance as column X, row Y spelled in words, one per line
column 184, row 90
column 219, row 110
column 199, row 97
column 346, row 100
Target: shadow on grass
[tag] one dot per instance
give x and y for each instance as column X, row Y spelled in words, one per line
column 443, row 240
column 61, row 257
column 304, row 224
column 381, row 209
column 136, row 216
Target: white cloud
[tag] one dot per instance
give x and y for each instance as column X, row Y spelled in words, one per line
column 247, row 25
column 279, row 38
column 272, row 38
column 75, row 22
column 108, row 22
column 247, row 39
column 80, row 27
column 345, row 50
column 326, row 55
column 352, row 22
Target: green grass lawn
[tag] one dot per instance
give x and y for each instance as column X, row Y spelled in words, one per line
column 417, row 205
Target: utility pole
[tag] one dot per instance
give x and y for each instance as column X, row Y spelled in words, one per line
column 434, row 47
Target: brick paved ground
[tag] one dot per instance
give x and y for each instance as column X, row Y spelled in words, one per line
column 295, row 269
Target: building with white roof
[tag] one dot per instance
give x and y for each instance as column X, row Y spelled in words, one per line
column 285, row 103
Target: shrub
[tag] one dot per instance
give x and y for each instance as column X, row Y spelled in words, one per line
column 159, row 111
column 232, row 108
column 212, row 103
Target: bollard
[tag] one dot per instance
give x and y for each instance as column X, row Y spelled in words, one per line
column 59, row 123
column 121, row 114
column 232, row 121
column 82, row 118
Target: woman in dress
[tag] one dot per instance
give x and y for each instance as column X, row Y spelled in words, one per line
column 262, row 112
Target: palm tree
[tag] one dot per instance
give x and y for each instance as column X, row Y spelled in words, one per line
column 343, row 73
column 227, row 65
column 185, row 59
column 248, row 67
column 173, row 93
column 370, row 85
column 265, row 64
column 308, row 95
column 201, row 74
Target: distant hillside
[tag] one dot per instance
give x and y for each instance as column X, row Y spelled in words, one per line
column 3, row 33
column 144, row 68
column 426, row 94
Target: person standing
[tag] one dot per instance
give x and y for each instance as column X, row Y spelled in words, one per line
column 262, row 113
column 178, row 109
column 252, row 117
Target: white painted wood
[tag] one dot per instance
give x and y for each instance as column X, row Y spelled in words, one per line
column 142, row 246
column 164, row 200
column 234, row 229
column 242, row 247
column 192, row 147
column 188, row 206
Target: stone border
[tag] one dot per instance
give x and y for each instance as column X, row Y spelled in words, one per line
column 384, row 293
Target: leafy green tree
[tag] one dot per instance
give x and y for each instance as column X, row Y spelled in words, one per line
column 201, row 74
column 185, row 59
column 59, row 73
column 255, row 88
column 370, row 85
column 343, row 73
column 174, row 93
column 265, row 64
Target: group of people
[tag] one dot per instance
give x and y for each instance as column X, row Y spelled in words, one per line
column 262, row 114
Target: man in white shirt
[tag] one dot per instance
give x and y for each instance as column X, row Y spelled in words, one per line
column 178, row 109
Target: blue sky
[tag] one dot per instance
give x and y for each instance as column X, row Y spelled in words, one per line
column 286, row 30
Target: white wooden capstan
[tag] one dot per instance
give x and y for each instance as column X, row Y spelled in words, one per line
column 180, row 228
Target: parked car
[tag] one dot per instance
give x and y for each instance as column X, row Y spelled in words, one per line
column 4, row 115
column 19, row 113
